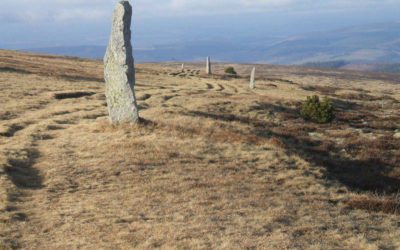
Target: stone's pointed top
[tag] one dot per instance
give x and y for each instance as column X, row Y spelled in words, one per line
column 126, row 4
column 121, row 34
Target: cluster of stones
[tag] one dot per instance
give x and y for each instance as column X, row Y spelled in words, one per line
column 252, row 76
column 119, row 69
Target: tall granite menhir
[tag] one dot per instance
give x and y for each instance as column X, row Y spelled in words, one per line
column 253, row 78
column 208, row 66
column 119, row 71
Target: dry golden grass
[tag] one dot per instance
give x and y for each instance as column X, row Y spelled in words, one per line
column 214, row 165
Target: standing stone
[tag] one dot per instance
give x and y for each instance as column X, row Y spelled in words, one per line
column 119, row 70
column 253, row 78
column 183, row 67
column 208, row 66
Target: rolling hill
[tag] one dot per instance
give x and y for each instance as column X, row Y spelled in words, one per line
column 213, row 165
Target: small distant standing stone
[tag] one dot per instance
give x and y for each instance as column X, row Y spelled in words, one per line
column 119, row 70
column 253, row 78
column 208, row 66
column 183, row 67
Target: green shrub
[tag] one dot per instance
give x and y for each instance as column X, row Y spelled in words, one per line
column 317, row 111
column 230, row 70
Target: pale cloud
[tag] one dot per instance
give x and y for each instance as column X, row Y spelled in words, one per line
column 92, row 10
column 226, row 6
column 54, row 10
column 265, row 5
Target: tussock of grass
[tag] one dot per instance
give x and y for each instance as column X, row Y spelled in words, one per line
column 373, row 203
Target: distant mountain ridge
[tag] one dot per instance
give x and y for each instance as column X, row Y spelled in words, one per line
column 85, row 51
column 368, row 44
column 372, row 67
column 377, row 43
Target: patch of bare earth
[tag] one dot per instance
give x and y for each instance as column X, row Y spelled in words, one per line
column 214, row 165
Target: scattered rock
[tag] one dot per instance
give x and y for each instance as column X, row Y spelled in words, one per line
column 144, row 97
column 397, row 134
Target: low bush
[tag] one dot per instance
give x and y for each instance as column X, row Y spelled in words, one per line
column 230, row 70
column 317, row 111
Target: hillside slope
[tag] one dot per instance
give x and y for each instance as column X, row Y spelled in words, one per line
column 375, row 43
column 214, row 165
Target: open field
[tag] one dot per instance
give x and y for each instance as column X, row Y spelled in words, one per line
column 214, row 165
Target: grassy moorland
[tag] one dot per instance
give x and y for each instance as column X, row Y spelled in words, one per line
column 213, row 164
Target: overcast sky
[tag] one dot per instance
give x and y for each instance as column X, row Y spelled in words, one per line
column 36, row 23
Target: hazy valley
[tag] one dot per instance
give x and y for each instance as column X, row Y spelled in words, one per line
column 372, row 47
